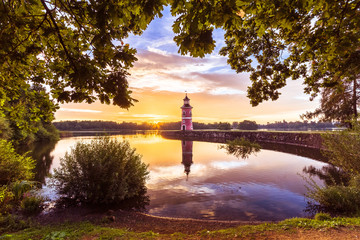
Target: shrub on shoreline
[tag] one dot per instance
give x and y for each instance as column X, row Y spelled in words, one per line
column 342, row 150
column 32, row 204
column 13, row 166
column 338, row 199
column 106, row 171
column 15, row 171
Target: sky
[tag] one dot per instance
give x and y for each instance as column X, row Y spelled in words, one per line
column 161, row 76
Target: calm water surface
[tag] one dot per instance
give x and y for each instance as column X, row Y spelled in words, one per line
column 198, row 180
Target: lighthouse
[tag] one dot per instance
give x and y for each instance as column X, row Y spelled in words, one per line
column 186, row 121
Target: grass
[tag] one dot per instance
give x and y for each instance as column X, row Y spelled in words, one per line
column 83, row 230
column 86, row 230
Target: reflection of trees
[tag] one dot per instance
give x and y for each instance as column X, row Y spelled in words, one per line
column 303, row 151
column 241, row 147
column 312, row 153
column 138, row 202
column 40, row 152
column 330, row 174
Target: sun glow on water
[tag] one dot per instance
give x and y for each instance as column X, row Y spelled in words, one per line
column 216, row 185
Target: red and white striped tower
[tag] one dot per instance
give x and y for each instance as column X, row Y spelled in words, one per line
column 186, row 121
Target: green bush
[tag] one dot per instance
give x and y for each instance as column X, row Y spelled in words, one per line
column 338, row 199
column 14, row 167
column 6, row 199
column 343, row 148
column 105, row 171
column 12, row 223
column 19, row 188
column 322, row 216
column 32, row 204
column 15, row 170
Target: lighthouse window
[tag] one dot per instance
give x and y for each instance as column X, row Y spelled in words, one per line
column 183, row 113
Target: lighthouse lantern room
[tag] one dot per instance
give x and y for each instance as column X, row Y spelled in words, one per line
column 186, row 121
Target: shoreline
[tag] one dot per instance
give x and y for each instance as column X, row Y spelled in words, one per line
column 134, row 225
column 137, row 221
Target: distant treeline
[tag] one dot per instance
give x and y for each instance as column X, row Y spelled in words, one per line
column 244, row 125
column 298, row 125
column 114, row 126
column 100, row 126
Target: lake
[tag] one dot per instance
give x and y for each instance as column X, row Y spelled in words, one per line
column 190, row 179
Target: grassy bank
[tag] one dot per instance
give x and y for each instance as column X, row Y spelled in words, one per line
column 333, row 228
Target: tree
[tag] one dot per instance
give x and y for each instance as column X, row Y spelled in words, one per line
column 69, row 45
column 318, row 41
column 248, row 125
column 235, row 125
column 76, row 47
column 27, row 109
column 338, row 104
column 224, row 126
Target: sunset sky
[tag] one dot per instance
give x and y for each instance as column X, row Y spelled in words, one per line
column 161, row 76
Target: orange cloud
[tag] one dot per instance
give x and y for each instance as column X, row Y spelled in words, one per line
column 159, row 81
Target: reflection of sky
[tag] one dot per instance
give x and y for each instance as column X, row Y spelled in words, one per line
column 228, row 165
column 268, row 186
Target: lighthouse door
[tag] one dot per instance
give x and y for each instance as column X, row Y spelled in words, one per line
column 183, row 127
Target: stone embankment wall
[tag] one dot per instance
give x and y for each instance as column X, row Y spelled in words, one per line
column 308, row 140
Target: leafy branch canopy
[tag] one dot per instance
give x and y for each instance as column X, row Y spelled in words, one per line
column 316, row 40
column 70, row 45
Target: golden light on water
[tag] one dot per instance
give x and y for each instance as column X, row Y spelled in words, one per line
column 268, row 185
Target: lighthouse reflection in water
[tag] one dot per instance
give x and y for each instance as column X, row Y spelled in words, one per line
column 200, row 180
column 187, row 155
